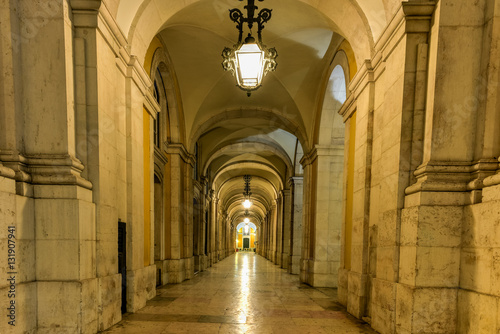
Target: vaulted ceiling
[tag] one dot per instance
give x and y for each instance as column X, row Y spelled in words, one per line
column 263, row 135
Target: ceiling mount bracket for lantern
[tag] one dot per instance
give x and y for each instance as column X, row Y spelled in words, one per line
column 249, row 60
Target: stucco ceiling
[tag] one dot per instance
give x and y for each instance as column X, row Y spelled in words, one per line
column 255, row 135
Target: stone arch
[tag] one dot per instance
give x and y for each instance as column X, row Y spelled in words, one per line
column 327, row 108
column 330, row 129
column 161, row 65
column 352, row 17
column 258, row 146
column 279, row 120
column 324, row 168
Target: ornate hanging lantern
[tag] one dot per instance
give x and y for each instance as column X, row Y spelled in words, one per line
column 249, row 60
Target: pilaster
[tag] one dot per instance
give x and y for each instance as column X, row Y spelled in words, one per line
column 179, row 222
column 448, row 179
column 325, row 165
column 296, row 185
column 287, row 228
column 279, row 230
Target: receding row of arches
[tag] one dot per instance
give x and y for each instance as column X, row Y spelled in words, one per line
column 264, row 144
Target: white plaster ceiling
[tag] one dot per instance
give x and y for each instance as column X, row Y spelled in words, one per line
column 238, row 135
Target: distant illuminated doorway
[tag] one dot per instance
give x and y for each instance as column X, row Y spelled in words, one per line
column 246, row 236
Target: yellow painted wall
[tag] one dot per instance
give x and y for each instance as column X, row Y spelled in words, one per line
column 155, row 44
column 240, row 240
column 350, row 192
column 353, row 68
column 147, row 188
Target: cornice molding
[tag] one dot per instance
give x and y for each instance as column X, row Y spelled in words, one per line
column 180, row 149
column 414, row 15
column 348, row 108
column 151, row 104
column 453, row 176
column 159, row 156
column 321, row 151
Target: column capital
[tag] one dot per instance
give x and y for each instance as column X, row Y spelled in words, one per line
column 454, row 177
column 415, row 16
column 46, row 169
column 322, row 151
column 295, row 180
column 180, row 150
column 86, row 4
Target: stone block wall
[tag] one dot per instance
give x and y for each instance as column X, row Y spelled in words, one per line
column 424, row 252
column 17, row 211
column 479, row 295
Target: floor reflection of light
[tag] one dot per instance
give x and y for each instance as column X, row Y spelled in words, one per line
column 244, row 289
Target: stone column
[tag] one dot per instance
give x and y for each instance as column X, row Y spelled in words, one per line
column 179, row 218
column 325, row 165
column 296, row 224
column 223, row 239
column 18, row 211
column 188, row 209
column 307, row 241
column 212, row 225
column 197, row 231
column 64, row 228
column 433, row 215
column 268, row 235
column 262, row 237
column 287, row 228
column 279, row 230
column 274, row 231
column 16, row 195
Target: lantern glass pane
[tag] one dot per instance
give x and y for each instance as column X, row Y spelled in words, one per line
column 250, row 65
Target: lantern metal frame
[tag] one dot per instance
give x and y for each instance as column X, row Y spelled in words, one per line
column 246, row 192
column 230, row 62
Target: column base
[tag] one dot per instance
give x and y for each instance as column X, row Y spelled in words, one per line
column 305, row 270
column 189, row 267
column 322, row 274
column 200, row 262
column 180, row 270
column 343, row 286
column 161, row 272
column 141, row 287
column 285, row 260
column 277, row 259
column 383, row 306
column 477, row 312
column 294, row 267
column 426, row 310
column 212, row 259
column 110, row 300
column 67, row 306
column 356, row 295
column 25, row 308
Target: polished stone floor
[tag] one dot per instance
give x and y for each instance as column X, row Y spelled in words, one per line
column 244, row 293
